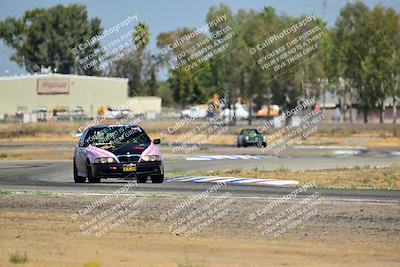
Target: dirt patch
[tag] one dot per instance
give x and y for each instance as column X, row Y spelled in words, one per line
column 37, row 153
column 342, row 233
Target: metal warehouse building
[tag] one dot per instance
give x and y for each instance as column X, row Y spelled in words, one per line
column 52, row 91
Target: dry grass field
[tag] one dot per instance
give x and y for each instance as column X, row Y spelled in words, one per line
column 343, row 178
column 372, row 135
column 37, row 230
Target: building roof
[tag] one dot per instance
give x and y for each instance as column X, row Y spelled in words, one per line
column 58, row 75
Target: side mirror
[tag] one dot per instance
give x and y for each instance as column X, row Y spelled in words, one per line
column 156, row 141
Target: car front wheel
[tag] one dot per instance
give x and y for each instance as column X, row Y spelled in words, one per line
column 264, row 144
column 91, row 177
column 77, row 178
column 157, row 179
column 141, row 179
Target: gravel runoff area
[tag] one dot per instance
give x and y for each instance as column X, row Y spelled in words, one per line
column 42, row 229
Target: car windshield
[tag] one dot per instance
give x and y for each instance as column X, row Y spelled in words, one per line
column 251, row 132
column 117, row 135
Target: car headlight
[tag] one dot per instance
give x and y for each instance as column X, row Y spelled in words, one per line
column 151, row 158
column 264, row 139
column 105, row 160
column 246, row 138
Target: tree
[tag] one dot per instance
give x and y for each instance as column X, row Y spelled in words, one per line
column 381, row 65
column 141, row 38
column 351, row 45
column 45, row 37
column 139, row 67
column 220, row 73
column 253, row 83
column 150, row 74
column 184, row 85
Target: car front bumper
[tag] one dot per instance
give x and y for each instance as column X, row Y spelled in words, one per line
column 115, row 170
column 254, row 142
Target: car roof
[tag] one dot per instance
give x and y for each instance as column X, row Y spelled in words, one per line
column 113, row 125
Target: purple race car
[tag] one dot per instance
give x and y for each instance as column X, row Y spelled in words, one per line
column 117, row 151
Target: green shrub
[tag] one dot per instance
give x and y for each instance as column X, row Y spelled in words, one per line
column 18, row 258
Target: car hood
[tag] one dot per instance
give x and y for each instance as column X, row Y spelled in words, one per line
column 96, row 152
column 126, row 148
column 122, row 149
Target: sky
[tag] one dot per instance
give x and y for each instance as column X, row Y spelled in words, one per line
column 169, row 15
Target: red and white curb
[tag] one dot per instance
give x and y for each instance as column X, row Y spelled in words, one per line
column 233, row 180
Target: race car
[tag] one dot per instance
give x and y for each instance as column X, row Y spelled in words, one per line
column 117, row 151
column 251, row 137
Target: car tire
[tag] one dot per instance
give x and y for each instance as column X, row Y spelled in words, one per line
column 77, row 178
column 238, row 144
column 91, row 178
column 141, row 179
column 264, row 144
column 244, row 144
column 157, row 179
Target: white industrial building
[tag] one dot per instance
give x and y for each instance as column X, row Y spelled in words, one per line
column 54, row 92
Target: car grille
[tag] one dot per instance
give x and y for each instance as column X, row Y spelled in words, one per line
column 128, row 158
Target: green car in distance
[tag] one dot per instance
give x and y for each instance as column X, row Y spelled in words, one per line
column 251, row 137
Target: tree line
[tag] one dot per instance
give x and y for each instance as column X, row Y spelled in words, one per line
column 360, row 62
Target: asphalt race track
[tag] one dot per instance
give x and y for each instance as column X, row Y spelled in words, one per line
column 56, row 176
